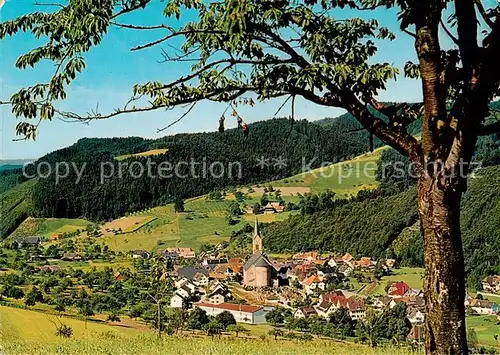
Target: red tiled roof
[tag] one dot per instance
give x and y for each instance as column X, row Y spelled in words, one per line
column 347, row 257
column 230, row 307
column 310, row 280
column 398, row 288
column 332, row 298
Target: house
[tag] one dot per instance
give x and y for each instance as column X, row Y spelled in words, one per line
column 483, row 307
column 72, row 257
column 335, row 262
column 382, row 302
column 398, row 289
column 196, row 275
column 54, row 238
column 273, row 207
column 173, row 255
column 185, row 282
column 307, row 256
column 313, row 284
column 491, row 284
column 218, row 276
column 242, row 313
column 118, row 276
column 415, row 316
column 366, row 262
column 331, row 296
column 327, row 271
column 215, row 298
column 201, row 279
column 305, row 312
column 295, row 275
column 186, row 253
column 212, row 262
column 324, row 308
column 184, row 291
column 345, row 269
column 140, row 253
column 50, row 268
column 356, row 308
column 236, row 265
column 348, row 258
column 307, row 268
column 391, row 264
column 258, row 270
column 414, row 292
column 177, row 301
column 28, row 241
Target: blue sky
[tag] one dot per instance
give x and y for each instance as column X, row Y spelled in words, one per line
column 112, row 70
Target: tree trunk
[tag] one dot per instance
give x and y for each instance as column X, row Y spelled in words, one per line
column 439, row 210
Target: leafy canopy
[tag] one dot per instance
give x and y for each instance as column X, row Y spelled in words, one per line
column 272, row 48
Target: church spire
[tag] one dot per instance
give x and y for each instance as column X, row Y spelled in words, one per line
column 256, row 238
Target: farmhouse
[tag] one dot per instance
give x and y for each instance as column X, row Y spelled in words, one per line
column 242, row 313
column 415, row 316
column 71, row 257
column 186, row 253
column 491, row 284
column 50, row 268
column 313, row 284
column 197, row 275
column 28, row 241
column 307, row 256
column 273, row 207
column 305, row 312
column 140, row 253
column 398, row 289
column 483, row 307
column 177, row 301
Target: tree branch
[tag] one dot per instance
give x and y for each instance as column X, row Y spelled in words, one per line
column 139, row 27
column 172, row 35
column 452, row 37
column 484, row 15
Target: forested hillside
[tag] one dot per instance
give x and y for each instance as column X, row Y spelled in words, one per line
column 363, row 227
column 292, row 142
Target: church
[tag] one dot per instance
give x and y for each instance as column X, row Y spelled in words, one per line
column 258, row 270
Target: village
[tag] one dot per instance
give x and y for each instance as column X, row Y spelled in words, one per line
column 307, row 285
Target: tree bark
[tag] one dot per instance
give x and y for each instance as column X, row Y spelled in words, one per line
column 439, row 210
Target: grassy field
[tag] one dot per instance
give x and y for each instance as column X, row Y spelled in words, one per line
column 143, row 154
column 486, row 327
column 48, row 226
column 346, row 178
column 412, row 276
column 28, row 332
column 204, row 222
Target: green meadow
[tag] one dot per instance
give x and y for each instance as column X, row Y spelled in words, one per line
column 29, row 332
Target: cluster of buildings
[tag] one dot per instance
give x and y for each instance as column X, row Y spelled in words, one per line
column 195, row 288
column 269, row 208
column 491, row 284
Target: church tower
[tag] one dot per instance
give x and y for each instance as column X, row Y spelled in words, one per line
column 256, row 238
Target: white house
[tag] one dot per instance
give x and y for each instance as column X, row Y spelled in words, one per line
column 242, row 313
column 313, row 284
column 305, row 312
column 483, row 307
column 415, row 316
column 176, row 301
column 200, row 279
column 216, row 298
